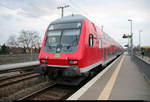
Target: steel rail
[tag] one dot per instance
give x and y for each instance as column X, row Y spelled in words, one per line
column 16, row 81
column 36, row 92
column 15, row 76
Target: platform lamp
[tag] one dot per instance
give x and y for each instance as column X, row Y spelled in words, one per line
column 140, row 38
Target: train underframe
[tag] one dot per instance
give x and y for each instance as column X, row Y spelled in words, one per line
column 68, row 76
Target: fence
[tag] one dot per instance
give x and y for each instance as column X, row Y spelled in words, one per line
column 16, row 58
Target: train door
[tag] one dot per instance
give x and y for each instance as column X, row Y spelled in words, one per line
column 104, row 53
column 104, row 50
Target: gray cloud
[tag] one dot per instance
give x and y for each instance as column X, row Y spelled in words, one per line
column 16, row 15
column 31, row 8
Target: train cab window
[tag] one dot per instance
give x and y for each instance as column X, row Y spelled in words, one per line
column 91, row 40
column 100, row 43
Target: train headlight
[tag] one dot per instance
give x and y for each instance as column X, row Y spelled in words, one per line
column 74, row 62
column 43, row 60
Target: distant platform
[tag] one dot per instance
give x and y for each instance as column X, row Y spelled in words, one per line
column 145, row 58
column 18, row 65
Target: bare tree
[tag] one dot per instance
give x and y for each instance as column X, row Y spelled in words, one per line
column 29, row 39
column 12, row 41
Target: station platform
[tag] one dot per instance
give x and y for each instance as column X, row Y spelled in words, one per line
column 18, row 65
column 121, row 80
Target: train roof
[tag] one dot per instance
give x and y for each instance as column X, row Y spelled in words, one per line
column 107, row 37
column 80, row 18
column 70, row 18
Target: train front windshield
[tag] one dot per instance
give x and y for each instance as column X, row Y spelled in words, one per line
column 62, row 38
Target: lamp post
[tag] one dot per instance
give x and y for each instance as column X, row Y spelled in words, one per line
column 140, row 38
column 102, row 27
column 131, row 38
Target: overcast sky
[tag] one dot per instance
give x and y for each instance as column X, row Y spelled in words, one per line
column 16, row 15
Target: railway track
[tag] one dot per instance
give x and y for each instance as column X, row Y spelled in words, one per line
column 17, row 78
column 21, row 87
column 37, row 92
column 44, row 90
column 55, row 92
column 32, row 86
column 11, row 85
column 51, row 92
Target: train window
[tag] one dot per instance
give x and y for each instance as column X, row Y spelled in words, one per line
column 53, row 38
column 64, row 26
column 100, row 43
column 70, row 37
column 91, row 40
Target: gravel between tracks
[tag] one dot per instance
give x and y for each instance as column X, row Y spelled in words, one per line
column 58, row 92
column 27, row 91
column 6, row 91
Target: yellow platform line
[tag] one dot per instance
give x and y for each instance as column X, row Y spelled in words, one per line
column 107, row 90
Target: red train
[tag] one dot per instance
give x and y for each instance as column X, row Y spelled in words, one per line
column 73, row 47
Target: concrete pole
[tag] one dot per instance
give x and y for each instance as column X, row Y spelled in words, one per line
column 140, row 38
column 102, row 28
column 131, row 38
column 62, row 12
column 62, row 9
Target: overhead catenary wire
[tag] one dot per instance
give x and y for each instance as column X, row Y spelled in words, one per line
column 92, row 18
column 77, row 6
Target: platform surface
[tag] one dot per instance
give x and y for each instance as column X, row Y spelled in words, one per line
column 18, row 65
column 123, row 81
